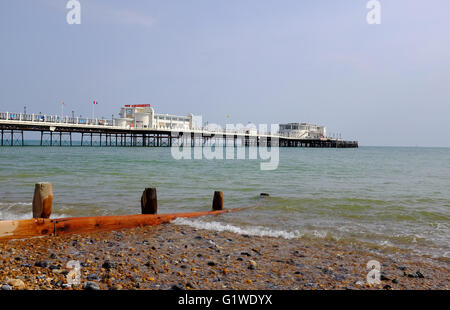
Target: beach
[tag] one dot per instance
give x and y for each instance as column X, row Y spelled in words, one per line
column 173, row 256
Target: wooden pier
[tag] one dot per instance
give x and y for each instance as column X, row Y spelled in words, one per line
column 94, row 133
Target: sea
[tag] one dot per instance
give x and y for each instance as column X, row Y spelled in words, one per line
column 390, row 199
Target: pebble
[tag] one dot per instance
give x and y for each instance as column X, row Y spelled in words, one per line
column 177, row 287
column 17, row 284
column 26, row 265
column 6, row 287
column 89, row 285
column 211, row 263
column 107, row 265
column 116, row 287
column 252, row 265
column 93, row 277
column 43, row 264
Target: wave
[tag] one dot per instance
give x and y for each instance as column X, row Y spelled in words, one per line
column 251, row 231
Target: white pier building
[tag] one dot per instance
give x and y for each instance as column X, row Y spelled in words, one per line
column 302, row 131
column 144, row 116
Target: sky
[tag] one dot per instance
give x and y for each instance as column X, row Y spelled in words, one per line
column 259, row 61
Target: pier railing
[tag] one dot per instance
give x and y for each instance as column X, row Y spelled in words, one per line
column 57, row 119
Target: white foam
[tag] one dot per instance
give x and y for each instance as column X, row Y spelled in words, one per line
column 11, row 204
column 251, row 231
column 6, row 215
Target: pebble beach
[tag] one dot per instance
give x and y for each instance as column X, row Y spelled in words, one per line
column 180, row 257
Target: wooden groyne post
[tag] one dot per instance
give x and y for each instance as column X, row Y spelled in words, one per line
column 217, row 201
column 42, row 200
column 149, row 201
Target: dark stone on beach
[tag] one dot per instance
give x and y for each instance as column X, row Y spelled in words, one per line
column 256, row 251
column 419, row 275
column 339, row 277
column 17, row 258
column 246, row 236
column 177, row 287
column 240, row 259
column 298, row 254
column 395, row 281
column 26, row 265
column 183, row 266
column 387, row 287
column 42, row 264
column 211, row 263
column 384, row 278
column 6, row 287
column 83, row 264
column 198, row 237
column 264, row 195
column 91, row 286
column 410, row 275
column 251, row 267
column 53, row 256
column 402, row 268
column 148, row 264
column 298, row 272
column 51, row 267
column 245, row 254
column 93, row 277
column 108, row 265
column 199, row 255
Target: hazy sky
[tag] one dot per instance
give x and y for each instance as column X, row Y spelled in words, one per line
column 255, row 60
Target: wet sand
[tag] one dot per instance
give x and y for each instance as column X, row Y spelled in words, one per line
column 180, row 257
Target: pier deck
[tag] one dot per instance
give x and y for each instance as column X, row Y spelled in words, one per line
column 60, row 132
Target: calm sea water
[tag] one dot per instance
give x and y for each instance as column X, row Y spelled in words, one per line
column 386, row 198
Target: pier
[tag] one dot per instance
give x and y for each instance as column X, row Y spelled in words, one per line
column 61, row 131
